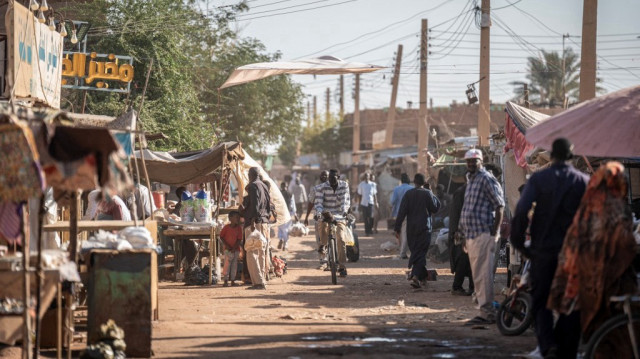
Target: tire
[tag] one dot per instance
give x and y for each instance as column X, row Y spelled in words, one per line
column 515, row 322
column 616, row 325
column 353, row 252
column 332, row 261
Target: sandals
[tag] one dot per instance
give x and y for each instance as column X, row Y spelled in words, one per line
column 479, row 321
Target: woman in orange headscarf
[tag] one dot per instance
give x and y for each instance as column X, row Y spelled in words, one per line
column 595, row 262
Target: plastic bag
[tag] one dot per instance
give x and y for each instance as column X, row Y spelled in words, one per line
column 139, row 237
column 348, row 237
column 187, row 211
column 255, row 241
column 388, row 246
column 298, row 230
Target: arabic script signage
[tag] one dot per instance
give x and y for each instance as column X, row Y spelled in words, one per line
column 34, row 54
column 102, row 72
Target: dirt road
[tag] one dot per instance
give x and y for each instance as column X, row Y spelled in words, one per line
column 371, row 313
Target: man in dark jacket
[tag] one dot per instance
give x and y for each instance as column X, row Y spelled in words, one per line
column 557, row 192
column 459, row 259
column 256, row 217
column 416, row 207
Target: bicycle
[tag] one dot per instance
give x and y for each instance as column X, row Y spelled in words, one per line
column 332, row 253
column 614, row 327
column 515, row 315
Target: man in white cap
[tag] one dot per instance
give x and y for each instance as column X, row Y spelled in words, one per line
column 479, row 221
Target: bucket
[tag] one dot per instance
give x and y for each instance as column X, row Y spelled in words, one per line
column 158, row 199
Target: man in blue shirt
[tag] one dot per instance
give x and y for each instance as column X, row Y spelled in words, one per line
column 416, row 207
column 479, row 221
column 396, row 199
column 367, row 198
column 557, row 192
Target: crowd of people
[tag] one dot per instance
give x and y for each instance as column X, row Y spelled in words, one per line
column 576, row 232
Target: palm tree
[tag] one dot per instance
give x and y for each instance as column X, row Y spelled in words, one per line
column 551, row 80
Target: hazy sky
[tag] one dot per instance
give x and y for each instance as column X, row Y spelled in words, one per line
column 370, row 31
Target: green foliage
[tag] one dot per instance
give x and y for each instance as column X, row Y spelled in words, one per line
column 193, row 53
column 328, row 139
column 548, row 83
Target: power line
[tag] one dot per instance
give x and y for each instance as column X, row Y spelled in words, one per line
column 379, row 30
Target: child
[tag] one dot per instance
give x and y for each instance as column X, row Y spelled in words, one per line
column 231, row 236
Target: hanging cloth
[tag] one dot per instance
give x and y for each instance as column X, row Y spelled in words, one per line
column 20, row 174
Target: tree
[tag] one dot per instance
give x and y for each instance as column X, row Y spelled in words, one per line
column 328, row 139
column 548, row 82
column 194, row 51
column 259, row 113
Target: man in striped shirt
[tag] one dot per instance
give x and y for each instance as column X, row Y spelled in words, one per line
column 333, row 196
column 324, row 176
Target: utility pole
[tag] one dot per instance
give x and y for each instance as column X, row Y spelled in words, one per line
column 315, row 110
column 484, row 114
column 341, row 97
column 308, row 113
column 588, row 55
column 564, row 70
column 423, row 123
column 391, row 117
column 356, row 133
column 526, row 96
column 327, row 113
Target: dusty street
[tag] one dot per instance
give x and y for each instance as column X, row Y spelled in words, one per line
column 371, row 313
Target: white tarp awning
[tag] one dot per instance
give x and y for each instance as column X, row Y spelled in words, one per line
column 325, row 65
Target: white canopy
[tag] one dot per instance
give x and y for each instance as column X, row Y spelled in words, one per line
column 325, row 65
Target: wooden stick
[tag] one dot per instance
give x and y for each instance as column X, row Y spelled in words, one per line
column 26, row 333
column 40, row 278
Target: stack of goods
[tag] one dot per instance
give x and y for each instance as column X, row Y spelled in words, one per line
column 187, row 211
column 110, row 346
column 196, row 276
column 202, row 207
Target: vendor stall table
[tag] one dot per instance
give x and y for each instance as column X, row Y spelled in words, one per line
column 204, row 233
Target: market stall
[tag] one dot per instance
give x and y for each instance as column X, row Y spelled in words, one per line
column 218, row 164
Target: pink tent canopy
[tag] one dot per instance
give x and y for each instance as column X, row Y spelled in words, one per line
column 606, row 126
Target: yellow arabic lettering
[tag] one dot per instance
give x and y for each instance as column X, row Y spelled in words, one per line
column 126, row 73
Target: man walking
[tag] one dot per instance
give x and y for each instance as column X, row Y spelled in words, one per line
column 299, row 196
column 367, row 199
column 459, row 259
column 557, row 192
column 256, row 217
column 396, row 198
column 480, row 220
column 333, row 196
column 417, row 206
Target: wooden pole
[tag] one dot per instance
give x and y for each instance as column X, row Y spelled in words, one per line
column 73, row 226
column 315, row 111
column 26, row 293
column 484, row 114
column 588, row 53
column 423, row 122
column 526, row 96
column 356, row 132
column 327, row 114
column 391, row 116
column 140, row 137
column 39, row 277
column 341, row 97
column 59, row 323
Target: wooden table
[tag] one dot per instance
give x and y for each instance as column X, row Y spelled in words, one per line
column 205, row 233
column 63, row 226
